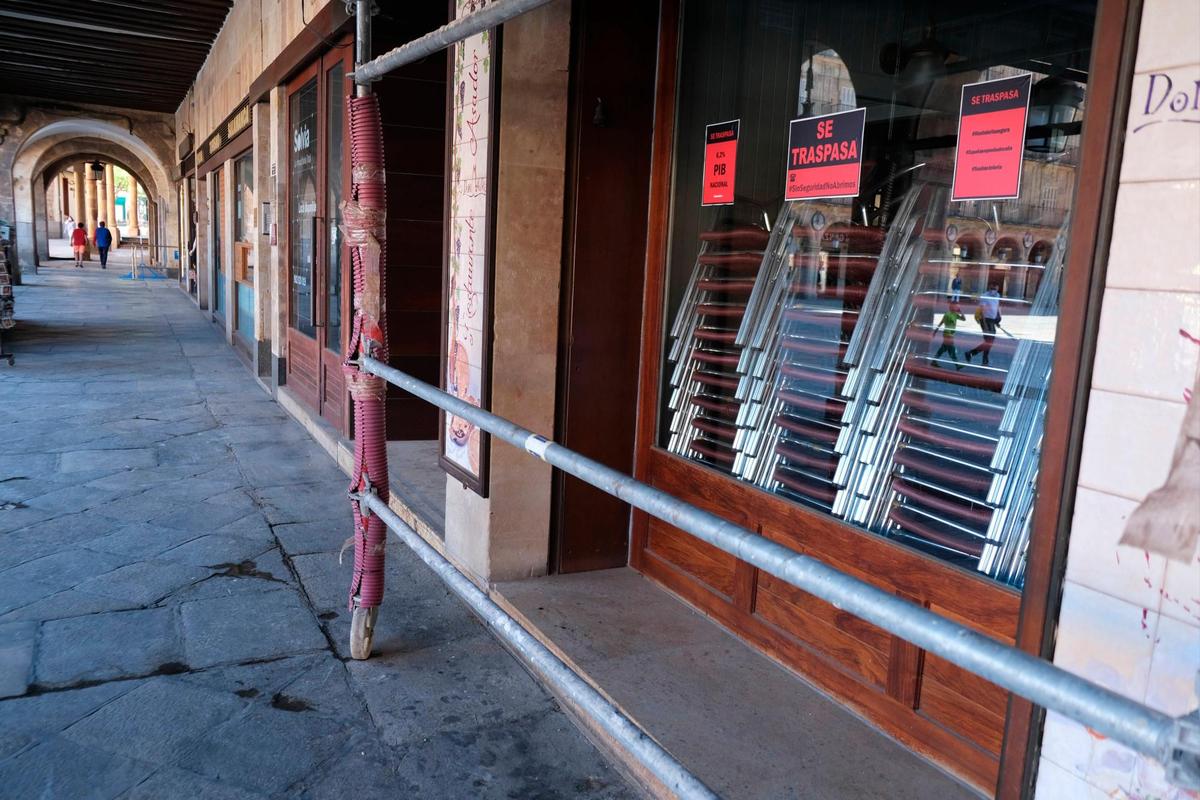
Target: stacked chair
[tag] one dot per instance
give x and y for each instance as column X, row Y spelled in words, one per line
column 804, row 361
column 703, row 351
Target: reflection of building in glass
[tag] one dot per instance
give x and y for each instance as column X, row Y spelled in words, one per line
column 826, row 86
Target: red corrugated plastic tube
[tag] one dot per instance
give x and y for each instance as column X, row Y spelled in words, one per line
column 364, row 219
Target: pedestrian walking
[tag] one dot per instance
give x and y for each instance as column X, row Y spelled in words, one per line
column 103, row 242
column 79, row 240
column 987, row 314
column 949, row 325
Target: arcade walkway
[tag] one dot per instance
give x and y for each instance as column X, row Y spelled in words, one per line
column 172, row 606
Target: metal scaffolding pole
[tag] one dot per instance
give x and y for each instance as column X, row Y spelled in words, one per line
column 577, row 691
column 487, row 17
column 1175, row 742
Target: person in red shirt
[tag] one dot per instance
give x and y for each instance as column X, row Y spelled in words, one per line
column 79, row 241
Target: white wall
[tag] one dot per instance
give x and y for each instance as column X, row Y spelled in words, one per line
column 1131, row 620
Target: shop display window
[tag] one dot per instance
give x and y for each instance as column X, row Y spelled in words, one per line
column 302, row 116
column 882, row 356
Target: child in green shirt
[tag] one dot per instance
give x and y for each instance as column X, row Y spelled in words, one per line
column 949, row 325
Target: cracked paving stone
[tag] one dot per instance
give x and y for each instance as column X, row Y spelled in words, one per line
column 256, row 681
column 141, row 539
column 302, row 538
column 66, row 568
column 365, row 771
column 24, row 721
column 81, row 460
column 248, row 626
column 200, row 517
column 306, row 502
column 265, row 573
column 452, row 687
column 267, row 750
column 19, row 592
column 175, row 782
column 157, row 722
column 251, row 526
column 72, row 499
column 58, row 768
column 326, row 582
column 50, row 536
column 538, row 755
column 216, row 549
column 141, row 507
column 106, row 646
column 16, row 657
column 144, row 582
column 68, row 603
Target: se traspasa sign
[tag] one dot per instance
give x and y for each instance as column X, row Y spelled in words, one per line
column 991, row 139
column 720, row 162
column 824, row 157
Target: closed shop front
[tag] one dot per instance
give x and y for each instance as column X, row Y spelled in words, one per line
column 869, row 251
column 317, row 283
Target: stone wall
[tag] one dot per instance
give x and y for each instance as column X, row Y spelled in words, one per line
column 1130, row 620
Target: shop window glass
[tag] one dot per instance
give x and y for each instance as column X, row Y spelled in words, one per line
column 218, row 303
column 334, row 178
column 302, row 113
column 245, row 228
column 881, row 358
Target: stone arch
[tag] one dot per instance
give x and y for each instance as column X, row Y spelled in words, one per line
column 76, row 139
column 72, row 152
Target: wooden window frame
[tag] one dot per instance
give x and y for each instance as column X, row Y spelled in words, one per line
column 1101, row 142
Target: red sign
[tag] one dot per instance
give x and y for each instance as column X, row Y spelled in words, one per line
column 825, row 155
column 720, row 163
column 991, row 139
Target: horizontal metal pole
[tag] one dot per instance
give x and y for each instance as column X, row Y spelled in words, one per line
column 1133, row 724
column 548, row 666
column 489, row 16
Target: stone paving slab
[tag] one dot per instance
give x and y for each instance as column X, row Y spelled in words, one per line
column 16, row 657
column 173, row 615
column 107, row 646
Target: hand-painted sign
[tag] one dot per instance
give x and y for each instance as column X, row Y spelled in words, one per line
column 991, row 139
column 466, row 344
column 824, row 156
column 720, row 162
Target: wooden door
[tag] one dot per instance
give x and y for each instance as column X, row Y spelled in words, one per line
column 303, row 210
column 334, row 261
column 318, row 176
column 612, row 108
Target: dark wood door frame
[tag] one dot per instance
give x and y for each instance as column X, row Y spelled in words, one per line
column 608, row 163
column 316, row 352
column 1114, row 47
column 1108, row 90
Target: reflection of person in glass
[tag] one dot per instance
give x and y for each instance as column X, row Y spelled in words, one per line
column 987, row 314
column 949, row 325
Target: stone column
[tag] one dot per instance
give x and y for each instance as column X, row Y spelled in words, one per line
column 506, row 535
column 78, row 210
column 101, row 200
column 110, row 204
column 81, row 200
column 91, row 188
column 133, row 207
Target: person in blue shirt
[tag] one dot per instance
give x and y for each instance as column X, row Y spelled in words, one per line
column 103, row 242
column 988, row 317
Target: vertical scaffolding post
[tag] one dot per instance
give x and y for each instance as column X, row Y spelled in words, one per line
column 363, row 223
